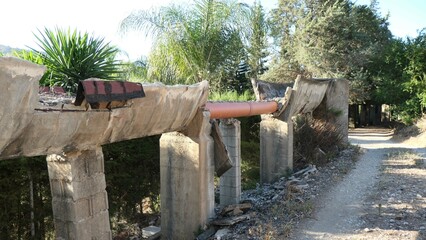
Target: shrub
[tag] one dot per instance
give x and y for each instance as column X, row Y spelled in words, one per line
column 232, row 96
column 73, row 56
column 315, row 141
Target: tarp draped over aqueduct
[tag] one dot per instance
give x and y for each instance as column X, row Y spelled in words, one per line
column 30, row 132
column 72, row 136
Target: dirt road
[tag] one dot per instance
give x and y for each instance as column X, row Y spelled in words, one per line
column 369, row 202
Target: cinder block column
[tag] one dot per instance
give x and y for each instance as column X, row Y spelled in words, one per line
column 79, row 199
column 187, row 179
column 276, row 148
column 230, row 181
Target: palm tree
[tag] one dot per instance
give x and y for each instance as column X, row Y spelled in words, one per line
column 201, row 41
column 72, row 56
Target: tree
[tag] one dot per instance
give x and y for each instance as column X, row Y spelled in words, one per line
column 336, row 39
column 137, row 71
column 25, row 200
column 74, row 56
column 284, row 22
column 391, row 76
column 201, row 41
column 416, row 70
column 370, row 43
column 257, row 49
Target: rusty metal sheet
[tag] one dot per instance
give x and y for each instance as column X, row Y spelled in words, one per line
column 222, row 161
column 269, row 90
column 99, row 92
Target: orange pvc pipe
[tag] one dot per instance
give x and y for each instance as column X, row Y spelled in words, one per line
column 239, row 109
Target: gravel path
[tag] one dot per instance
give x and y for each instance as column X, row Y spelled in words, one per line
column 339, row 214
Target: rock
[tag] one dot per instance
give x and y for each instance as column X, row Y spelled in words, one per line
column 151, row 232
column 221, row 233
column 236, row 209
column 230, row 221
column 307, row 170
column 206, row 234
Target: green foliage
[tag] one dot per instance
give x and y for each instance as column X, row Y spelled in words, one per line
column 250, row 152
column 132, row 171
column 258, row 45
column 250, row 164
column 74, row 56
column 392, row 76
column 200, row 41
column 17, row 176
column 416, row 69
column 329, row 39
column 322, row 44
column 401, row 80
column 136, row 71
column 232, row 96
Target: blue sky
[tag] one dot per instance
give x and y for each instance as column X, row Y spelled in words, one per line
column 20, row 18
column 406, row 17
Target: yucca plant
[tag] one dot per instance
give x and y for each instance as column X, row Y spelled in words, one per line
column 74, row 56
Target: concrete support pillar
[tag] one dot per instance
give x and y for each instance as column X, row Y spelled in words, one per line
column 276, row 149
column 187, row 179
column 337, row 99
column 230, row 181
column 79, row 199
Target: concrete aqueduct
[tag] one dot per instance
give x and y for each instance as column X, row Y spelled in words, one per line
column 72, row 138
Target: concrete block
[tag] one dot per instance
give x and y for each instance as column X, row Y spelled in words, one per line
column 79, row 199
column 230, row 191
column 230, row 181
column 72, row 210
column 187, row 179
column 91, row 186
column 97, row 227
column 60, row 188
column 99, row 202
column 337, row 100
column 151, row 232
column 78, row 189
column 75, row 165
column 276, row 149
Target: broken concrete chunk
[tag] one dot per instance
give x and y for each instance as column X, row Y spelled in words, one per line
column 151, row 232
column 221, row 233
column 206, row 234
column 222, row 161
column 236, row 208
column 231, row 220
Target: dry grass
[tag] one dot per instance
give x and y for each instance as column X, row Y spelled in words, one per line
column 414, row 135
column 315, row 142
